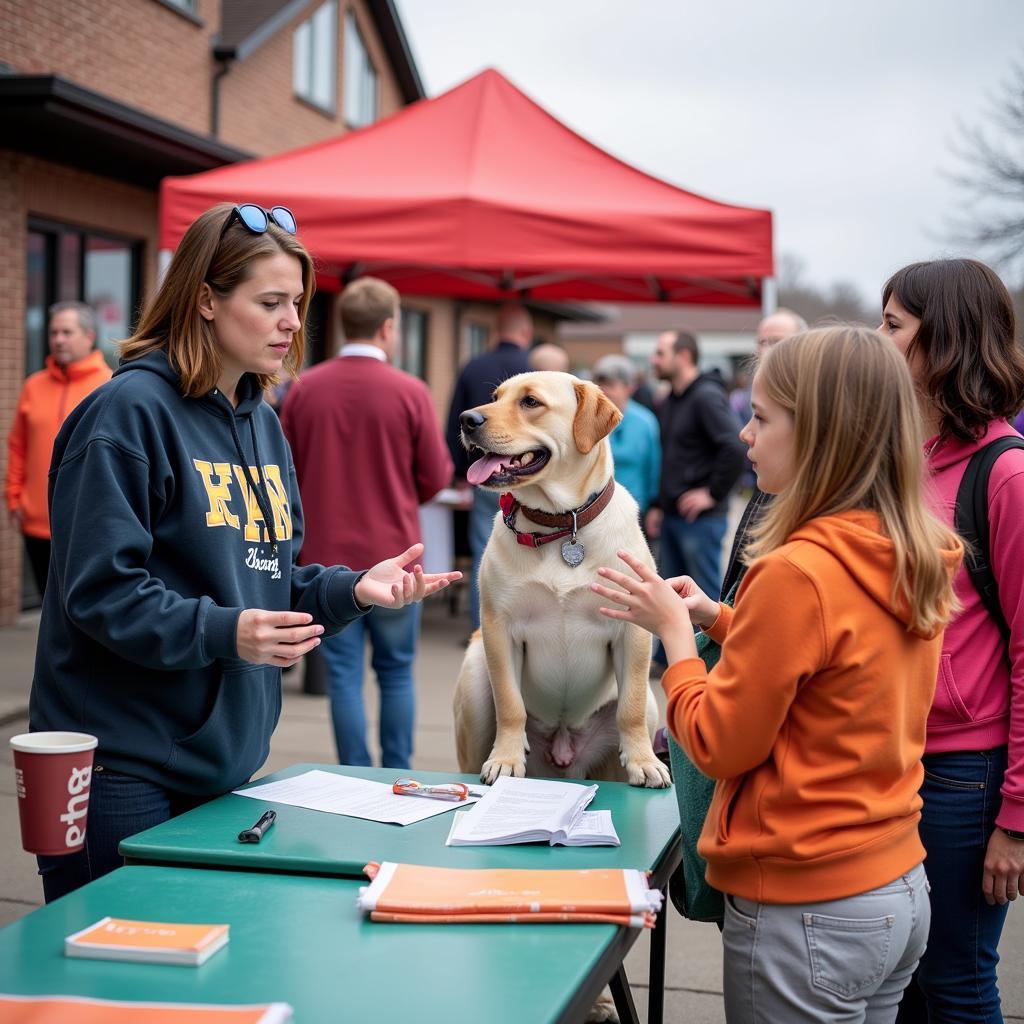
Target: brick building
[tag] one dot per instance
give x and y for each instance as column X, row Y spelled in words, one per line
column 100, row 100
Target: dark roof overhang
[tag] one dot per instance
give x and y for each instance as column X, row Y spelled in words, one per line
column 52, row 118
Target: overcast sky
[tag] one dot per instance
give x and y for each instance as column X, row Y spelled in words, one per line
column 838, row 115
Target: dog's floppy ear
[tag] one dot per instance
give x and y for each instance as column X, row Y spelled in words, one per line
column 596, row 416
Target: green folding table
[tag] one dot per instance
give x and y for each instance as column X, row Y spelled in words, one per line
column 316, row 843
column 300, row 939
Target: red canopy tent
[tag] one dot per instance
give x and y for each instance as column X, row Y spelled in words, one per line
column 480, row 193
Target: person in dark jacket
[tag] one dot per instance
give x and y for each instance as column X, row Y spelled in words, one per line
column 771, row 330
column 175, row 595
column 476, row 384
column 702, row 459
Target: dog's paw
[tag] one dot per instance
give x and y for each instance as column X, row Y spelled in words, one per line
column 646, row 771
column 603, row 1009
column 497, row 765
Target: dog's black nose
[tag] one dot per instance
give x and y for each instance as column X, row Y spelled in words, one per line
column 470, row 420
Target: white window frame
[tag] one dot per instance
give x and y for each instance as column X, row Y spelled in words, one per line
column 477, row 337
column 362, row 83
column 415, row 335
column 315, row 58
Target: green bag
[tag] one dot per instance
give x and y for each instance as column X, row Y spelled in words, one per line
column 691, row 895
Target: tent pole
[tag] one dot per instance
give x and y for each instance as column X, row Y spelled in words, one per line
column 460, row 307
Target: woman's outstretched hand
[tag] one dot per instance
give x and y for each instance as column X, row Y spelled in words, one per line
column 388, row 584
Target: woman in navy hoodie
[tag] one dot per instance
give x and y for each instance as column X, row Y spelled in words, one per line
column 175, row 595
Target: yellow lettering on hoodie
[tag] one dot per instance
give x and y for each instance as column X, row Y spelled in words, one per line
column 278, row 502
column 218, row 494
column 253, row 516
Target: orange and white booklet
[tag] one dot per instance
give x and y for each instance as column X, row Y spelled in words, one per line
column 79, row 1010
column 412, row 893
column 154, row 942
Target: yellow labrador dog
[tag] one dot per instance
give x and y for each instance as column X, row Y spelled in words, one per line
column 549, row 687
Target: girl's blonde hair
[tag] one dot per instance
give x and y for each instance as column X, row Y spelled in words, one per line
column 858, row 445
column 223, row 260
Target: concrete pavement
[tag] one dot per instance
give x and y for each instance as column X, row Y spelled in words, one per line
column 694, row 969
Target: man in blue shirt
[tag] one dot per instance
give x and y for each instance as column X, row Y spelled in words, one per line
column 636, row 441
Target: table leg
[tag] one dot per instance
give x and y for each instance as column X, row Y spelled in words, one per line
column 659, row 936
column 623, row 997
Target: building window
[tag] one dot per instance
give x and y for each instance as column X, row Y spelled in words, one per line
column 68, row 264
column 315, row 57
column 413, row 355
column 360, row 78
column 39, row 288
column 108, row 273
column 476, row 339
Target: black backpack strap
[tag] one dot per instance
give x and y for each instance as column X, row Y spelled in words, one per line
column 971, row 522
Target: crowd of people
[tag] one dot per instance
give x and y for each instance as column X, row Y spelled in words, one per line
column 865, row 718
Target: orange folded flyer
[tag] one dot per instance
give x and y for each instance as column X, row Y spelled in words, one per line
column 414, row 892
column 633, row 921
column 157, row 942
column 79, row 1010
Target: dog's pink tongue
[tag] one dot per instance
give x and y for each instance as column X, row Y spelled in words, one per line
column 482, row 469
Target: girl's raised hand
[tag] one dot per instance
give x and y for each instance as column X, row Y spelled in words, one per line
column 644, row 599
column 703, row 609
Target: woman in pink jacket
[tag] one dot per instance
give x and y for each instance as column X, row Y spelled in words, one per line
column 954, row 322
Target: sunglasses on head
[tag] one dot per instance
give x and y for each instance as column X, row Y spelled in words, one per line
column 257, row 220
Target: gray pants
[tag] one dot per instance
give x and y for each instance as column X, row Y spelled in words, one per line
column 845, row 960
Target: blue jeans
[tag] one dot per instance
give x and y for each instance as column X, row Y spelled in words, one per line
column 393, row 647
column 119, row 806
column 692, row 549
column 958, row 972
column 481, row 522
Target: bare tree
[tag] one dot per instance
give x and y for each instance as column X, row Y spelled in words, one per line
column 839, row 301
column 992, row 178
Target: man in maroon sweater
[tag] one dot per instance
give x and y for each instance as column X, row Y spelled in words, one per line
column 368, row 452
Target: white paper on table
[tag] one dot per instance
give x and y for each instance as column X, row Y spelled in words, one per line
column 355, row 798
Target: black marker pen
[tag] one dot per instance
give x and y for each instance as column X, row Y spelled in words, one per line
column 256, row 833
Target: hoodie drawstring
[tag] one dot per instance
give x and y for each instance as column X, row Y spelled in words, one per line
column 262, row 498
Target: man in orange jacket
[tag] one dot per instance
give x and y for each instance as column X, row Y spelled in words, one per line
column 73, row 369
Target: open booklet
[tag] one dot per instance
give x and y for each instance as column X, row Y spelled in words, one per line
column 534, row 810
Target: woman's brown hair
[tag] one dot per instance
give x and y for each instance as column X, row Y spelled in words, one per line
column 858, row 445
column 207, row 254
column 972, row 367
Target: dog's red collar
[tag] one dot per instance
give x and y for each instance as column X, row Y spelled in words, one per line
column 570, row 521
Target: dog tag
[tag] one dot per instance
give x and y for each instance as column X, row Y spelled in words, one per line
column 573, row 552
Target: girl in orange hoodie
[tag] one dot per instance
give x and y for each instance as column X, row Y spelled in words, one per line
column 813, row 721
